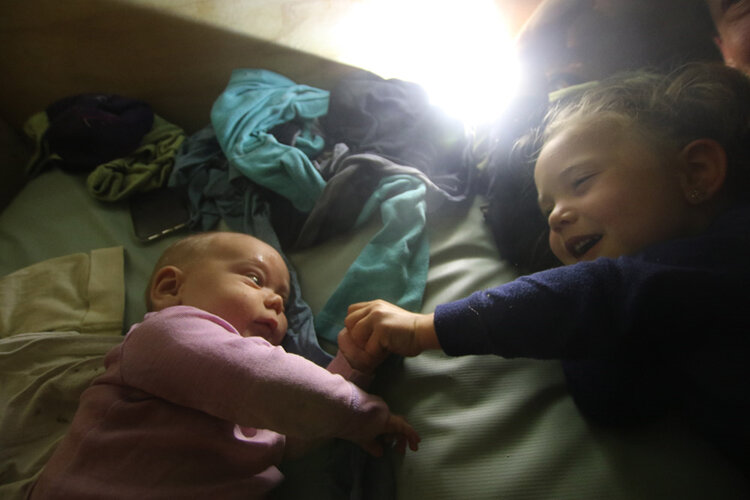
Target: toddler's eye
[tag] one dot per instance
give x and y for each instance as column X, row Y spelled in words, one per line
column 728, row 4
column 580, row 181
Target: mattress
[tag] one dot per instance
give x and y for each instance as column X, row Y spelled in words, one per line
column 490, row 427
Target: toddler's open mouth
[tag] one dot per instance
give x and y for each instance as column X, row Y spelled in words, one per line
column 580, row 245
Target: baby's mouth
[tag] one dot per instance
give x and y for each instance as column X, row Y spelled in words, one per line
column 267, row 326
column 580, row 245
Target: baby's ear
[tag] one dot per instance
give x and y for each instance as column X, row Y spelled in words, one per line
column 705, row 170
column 165, row 288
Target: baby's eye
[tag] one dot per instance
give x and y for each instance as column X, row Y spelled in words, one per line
column 255, row 279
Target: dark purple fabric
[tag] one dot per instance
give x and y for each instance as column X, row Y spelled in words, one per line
column 90, row 129
column 394, row 119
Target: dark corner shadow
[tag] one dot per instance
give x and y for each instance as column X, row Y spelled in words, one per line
column 55, row 49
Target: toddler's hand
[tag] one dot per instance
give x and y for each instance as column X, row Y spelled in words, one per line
column 379, row 326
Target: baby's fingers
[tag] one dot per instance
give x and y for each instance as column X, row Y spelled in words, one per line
column 398, row 442
column 357, row 357
column 412, row 439
column 397, row 426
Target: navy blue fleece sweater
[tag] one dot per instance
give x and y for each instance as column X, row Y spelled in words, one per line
column 666, row 329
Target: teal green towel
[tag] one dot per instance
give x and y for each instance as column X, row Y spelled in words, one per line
column 254, row 102
column 393, row 265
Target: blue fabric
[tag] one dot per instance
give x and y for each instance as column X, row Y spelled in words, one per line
column 255, row 101
column 393, row 265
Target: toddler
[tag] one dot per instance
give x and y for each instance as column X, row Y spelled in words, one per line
column 731, row 20
column 644, row 182
column 199, row 400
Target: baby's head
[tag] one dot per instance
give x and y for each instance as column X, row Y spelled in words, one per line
column 232, row 275
column 637, row 160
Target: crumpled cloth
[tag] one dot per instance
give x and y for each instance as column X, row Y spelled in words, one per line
column 393, row 265
column 147, row 167
column 254, row 102
column 79, row 132
column 203, row 171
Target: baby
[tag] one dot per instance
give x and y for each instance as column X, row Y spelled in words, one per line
column 199, row 400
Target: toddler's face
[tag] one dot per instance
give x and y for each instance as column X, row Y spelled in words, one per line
column 244, row 281
column 732, row 21
column 606, row 193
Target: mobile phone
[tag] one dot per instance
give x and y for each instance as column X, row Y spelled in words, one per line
column 159, row 212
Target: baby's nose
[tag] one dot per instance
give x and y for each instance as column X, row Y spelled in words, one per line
column 274, row 301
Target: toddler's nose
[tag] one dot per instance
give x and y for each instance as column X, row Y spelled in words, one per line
column 560, row 216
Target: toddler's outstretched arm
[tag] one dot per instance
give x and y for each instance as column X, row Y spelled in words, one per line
column 379, row 327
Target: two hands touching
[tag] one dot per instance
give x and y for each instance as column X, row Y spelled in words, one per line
column 372, row 331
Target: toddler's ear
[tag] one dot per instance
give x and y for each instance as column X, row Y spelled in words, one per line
column 165, row 288
column 726, row 52
column 705, row 170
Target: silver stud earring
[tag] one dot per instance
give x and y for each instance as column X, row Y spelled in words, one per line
column 695, row 196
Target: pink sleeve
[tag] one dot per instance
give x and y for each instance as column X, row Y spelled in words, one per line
column 340, row 365
column 195, row 359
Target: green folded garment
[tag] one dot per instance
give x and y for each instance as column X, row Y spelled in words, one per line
column 146, row 168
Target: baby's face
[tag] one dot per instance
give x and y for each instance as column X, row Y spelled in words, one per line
column 242, row 280
column 606, row 193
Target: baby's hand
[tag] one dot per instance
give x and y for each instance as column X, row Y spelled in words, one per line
column 397, row 433
column 357, row 357
column 379, row 326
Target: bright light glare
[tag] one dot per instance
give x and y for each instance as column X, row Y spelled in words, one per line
column 459, row 52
